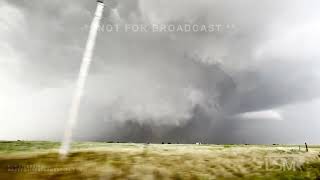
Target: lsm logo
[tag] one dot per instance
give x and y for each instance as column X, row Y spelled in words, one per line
column 283, row 163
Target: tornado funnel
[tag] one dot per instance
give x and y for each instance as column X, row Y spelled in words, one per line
column 80, row 84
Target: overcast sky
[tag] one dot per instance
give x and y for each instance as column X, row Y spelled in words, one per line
column 257, row 80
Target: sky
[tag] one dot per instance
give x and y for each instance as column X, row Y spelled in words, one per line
column 257, row 80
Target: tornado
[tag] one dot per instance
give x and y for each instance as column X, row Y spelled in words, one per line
column 80, row 84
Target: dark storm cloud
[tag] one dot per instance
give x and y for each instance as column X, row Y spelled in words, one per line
column 182, row 87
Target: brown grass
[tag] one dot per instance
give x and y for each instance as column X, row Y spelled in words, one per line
column 140, row 161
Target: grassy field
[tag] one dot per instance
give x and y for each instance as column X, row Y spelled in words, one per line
column 40, row 160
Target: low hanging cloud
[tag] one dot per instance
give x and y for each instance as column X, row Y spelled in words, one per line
column 171, row 85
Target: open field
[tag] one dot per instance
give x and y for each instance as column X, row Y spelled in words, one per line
column 39, row 160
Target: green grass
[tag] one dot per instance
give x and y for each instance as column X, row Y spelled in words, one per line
column 91, row 160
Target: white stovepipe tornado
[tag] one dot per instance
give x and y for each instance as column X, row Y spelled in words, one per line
column 84, row 69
